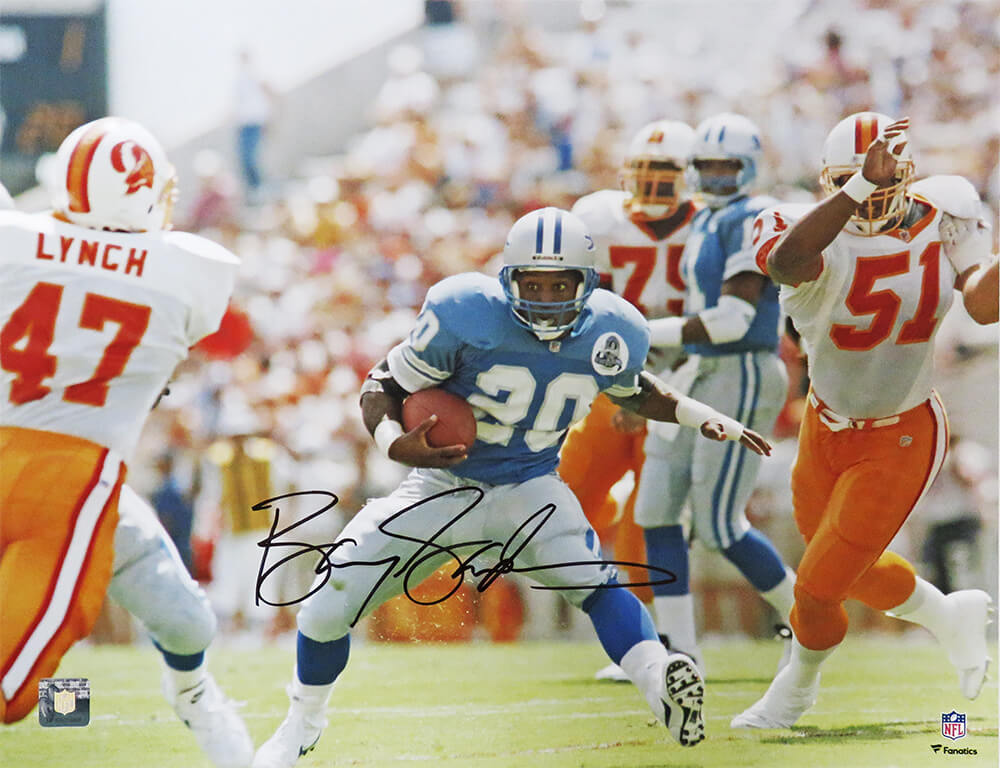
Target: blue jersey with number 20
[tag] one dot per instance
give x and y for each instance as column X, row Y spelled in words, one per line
column 525, row 392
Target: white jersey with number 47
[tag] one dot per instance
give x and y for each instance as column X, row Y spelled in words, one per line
column 93, row 323
column 868, row 320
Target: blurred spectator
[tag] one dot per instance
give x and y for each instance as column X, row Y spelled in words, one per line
column 254, row 106
column 241, row 469
column 175, row 507
column 952, row 513
column 214, row 205
column 839, row 79
column 481, row 109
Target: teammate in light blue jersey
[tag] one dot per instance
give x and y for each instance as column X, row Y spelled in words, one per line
column 730, row 332
column 717, row 251
column 529, row 352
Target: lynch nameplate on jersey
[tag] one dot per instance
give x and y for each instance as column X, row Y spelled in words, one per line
column 63, row 701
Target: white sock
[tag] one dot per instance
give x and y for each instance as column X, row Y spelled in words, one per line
column 308, row 699
column 926, row 606
column 803, row 666
column 643, row 663
column 675, row 619
column 781, row 596
column 185, row 679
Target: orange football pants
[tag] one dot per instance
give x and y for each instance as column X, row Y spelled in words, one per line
column 852, row 490
column 58, row 513
column 594, row 457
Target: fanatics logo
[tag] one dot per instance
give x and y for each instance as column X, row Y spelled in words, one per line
column 953, row 725
column 946, row 750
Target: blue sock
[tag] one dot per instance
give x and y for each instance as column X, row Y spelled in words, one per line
column 320, row 663
column 667, row 549
column 757, row 560
column 620, row 620
column 181, row 662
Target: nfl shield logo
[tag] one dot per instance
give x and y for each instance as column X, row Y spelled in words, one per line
column 953, row 725
column 64, row 702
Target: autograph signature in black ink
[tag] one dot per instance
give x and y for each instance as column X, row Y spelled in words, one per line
column 410, row 569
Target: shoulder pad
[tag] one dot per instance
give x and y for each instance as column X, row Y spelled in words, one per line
column 952, row 194
column 471, row 306
column 758, row 203
column 630, row 322
column 9, row 217
column 734, row 215
column 200, row 246
column 788, row 211
column 600, row 210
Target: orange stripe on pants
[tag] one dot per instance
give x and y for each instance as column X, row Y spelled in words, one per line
column 594, row 457
column 58, row 513
column 852, row 491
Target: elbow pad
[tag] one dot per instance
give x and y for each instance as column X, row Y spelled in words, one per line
column 666, row 331
column 729, row 320
column 380, row 380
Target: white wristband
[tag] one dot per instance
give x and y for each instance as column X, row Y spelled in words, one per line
column 858, row 187
column 693, row 413
column 666, row 331
column 385, row 434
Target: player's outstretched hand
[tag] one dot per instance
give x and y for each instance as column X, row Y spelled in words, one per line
column 880, row 160
column 715, row 430
column 412, row 449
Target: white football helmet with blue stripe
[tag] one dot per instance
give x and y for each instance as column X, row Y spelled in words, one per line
column 548, row 239
column 726, row 136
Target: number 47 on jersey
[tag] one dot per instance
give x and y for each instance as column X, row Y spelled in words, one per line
column 28, row 334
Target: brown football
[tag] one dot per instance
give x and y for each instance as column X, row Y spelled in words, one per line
column 456, row 421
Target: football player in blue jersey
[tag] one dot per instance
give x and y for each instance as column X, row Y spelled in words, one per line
column 730, row 332
column 529, row 352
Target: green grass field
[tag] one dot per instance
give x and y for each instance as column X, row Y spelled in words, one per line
column 496, row 706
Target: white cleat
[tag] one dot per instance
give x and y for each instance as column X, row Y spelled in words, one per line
column 682, row 699
column 296, row 736
column 612, row 672
column 214, row 721
column 780, row 707
column 965, row 640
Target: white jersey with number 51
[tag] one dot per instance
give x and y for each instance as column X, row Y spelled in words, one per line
column 868, row 320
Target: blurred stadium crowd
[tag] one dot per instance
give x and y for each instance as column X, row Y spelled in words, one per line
column 487, row 115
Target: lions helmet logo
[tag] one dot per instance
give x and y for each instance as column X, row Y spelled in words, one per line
column 141, row 173
column 610, row 355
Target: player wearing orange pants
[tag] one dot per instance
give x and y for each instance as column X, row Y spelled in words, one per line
column 866, row 276
column 594, row 457
column 58, row 512
column 852, row 490
column 99, row 302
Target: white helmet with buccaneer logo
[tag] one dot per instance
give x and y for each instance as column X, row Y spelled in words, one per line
column 114, row 175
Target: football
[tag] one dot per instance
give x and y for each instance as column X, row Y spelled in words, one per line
column 456, row 421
